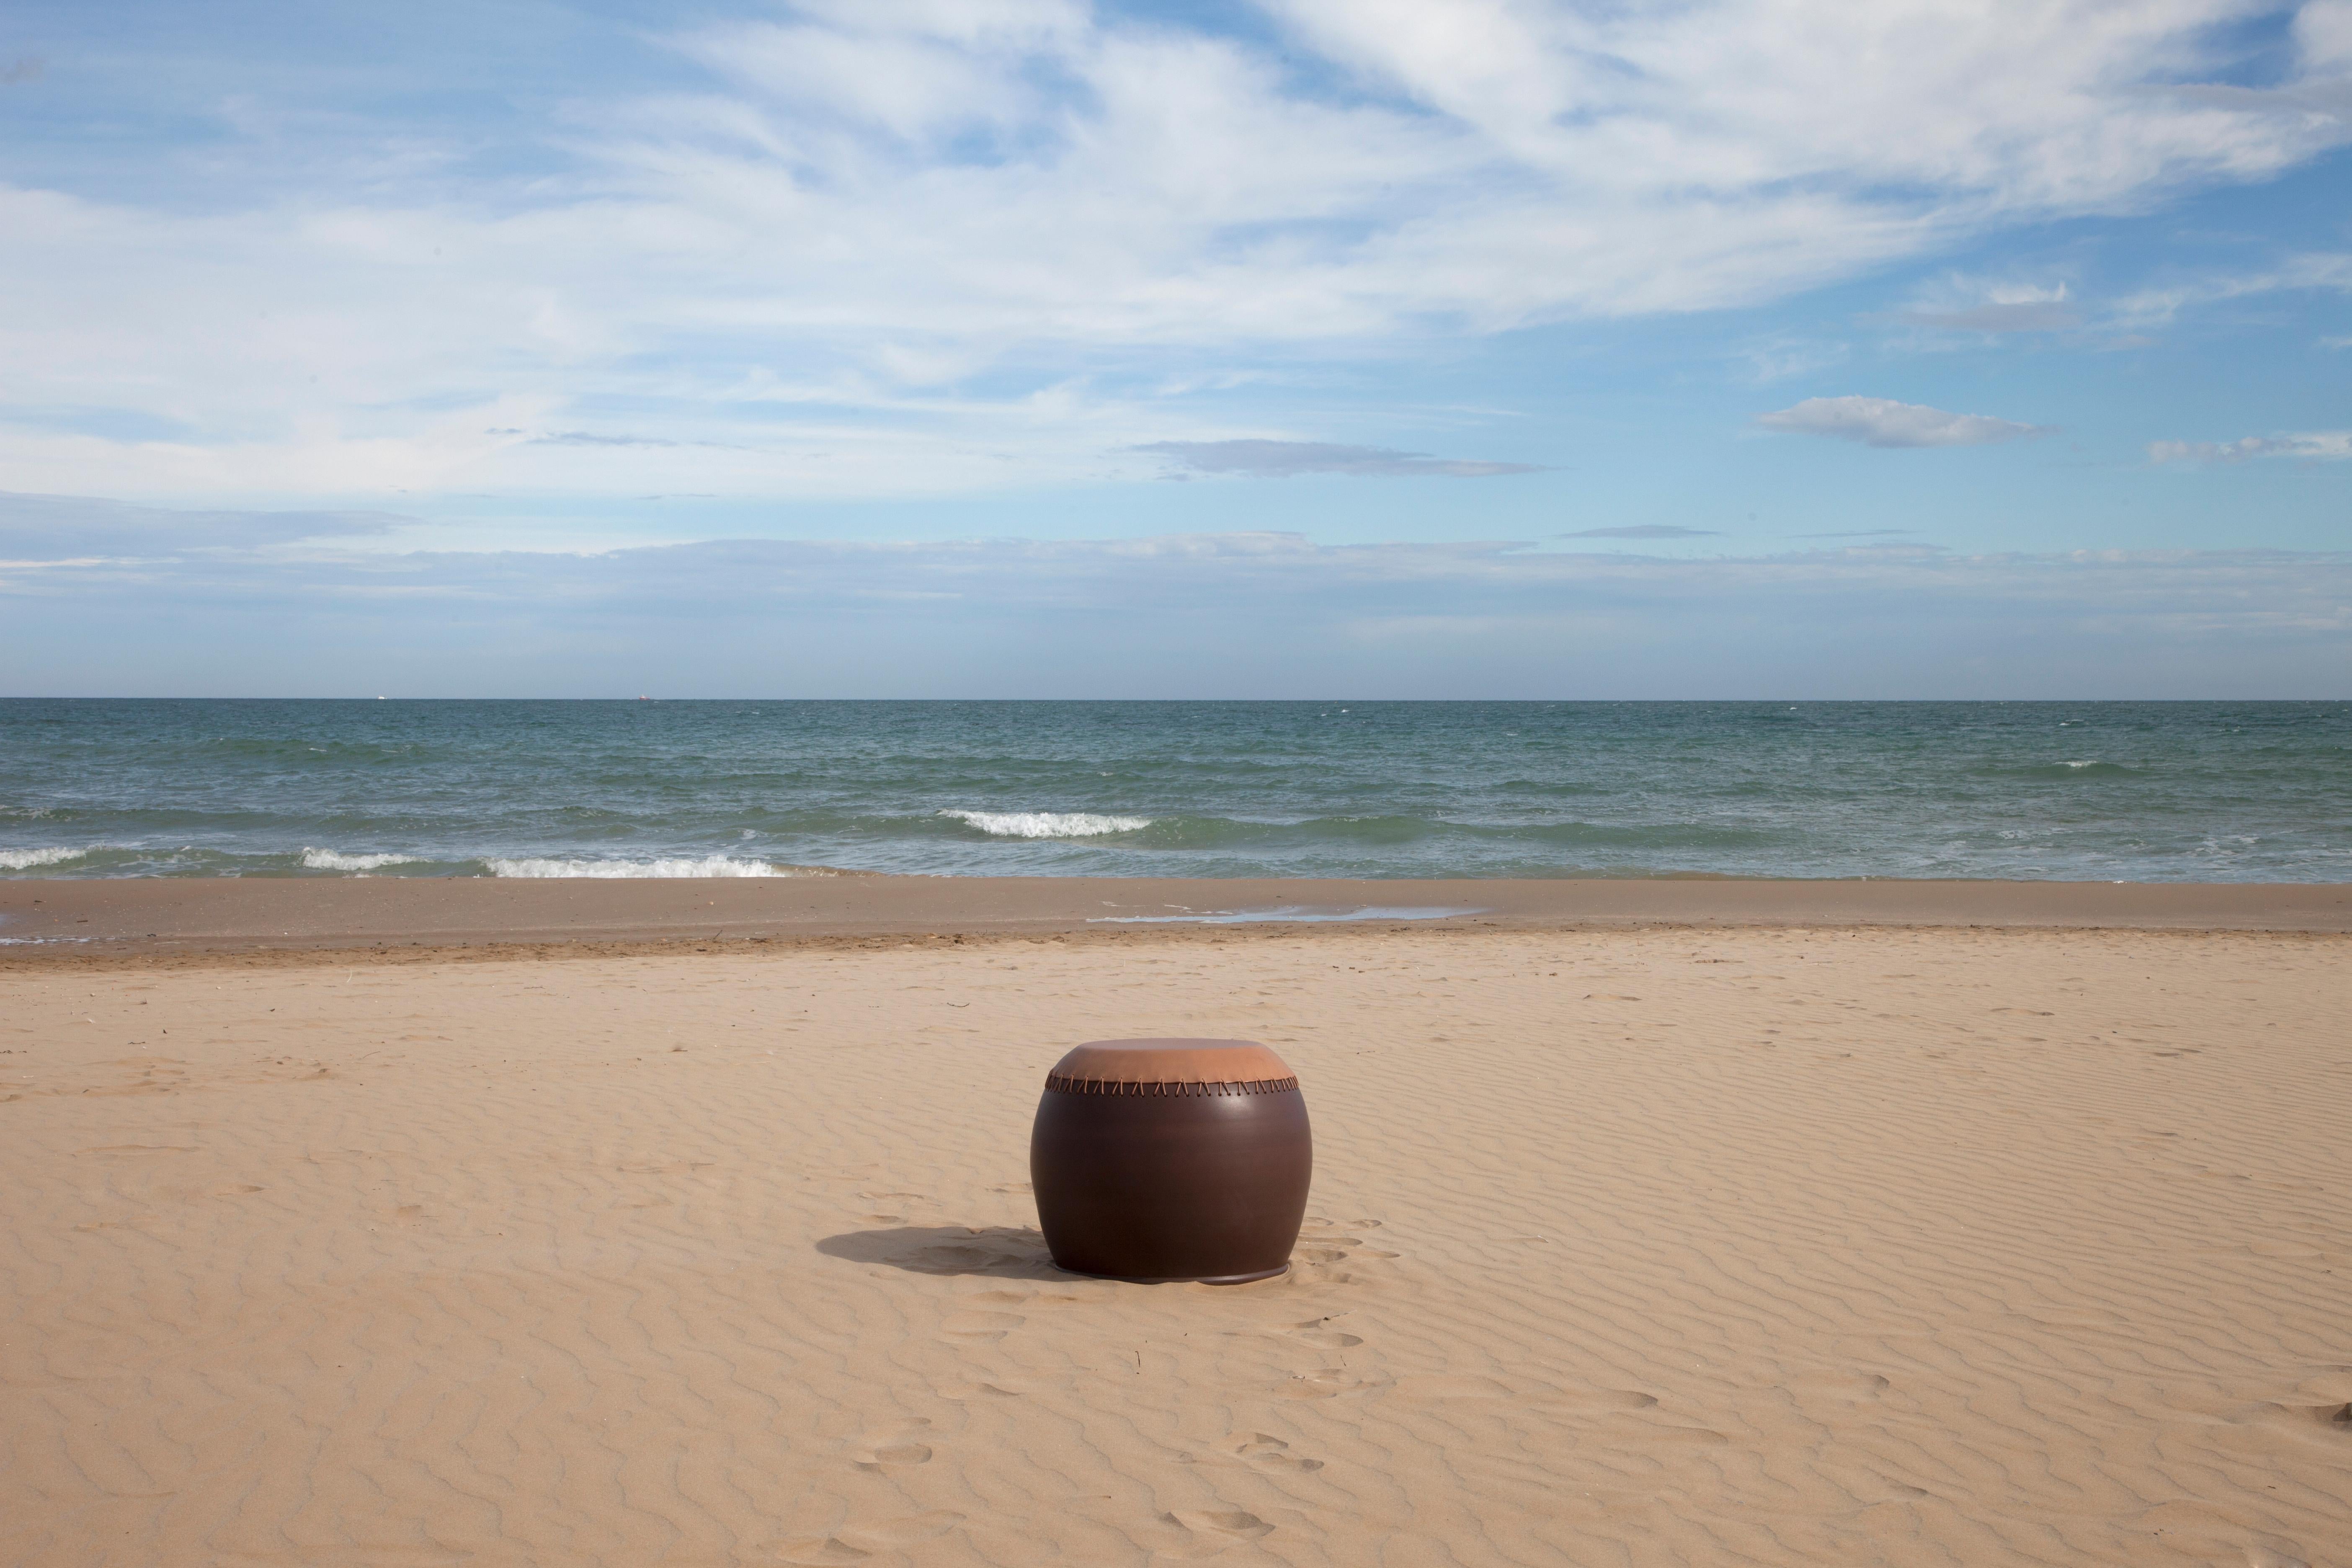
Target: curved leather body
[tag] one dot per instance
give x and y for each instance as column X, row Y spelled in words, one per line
column 1159, row 1181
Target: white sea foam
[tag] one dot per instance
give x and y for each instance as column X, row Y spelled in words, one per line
column 1048, row 823
column 709, row 866
column 26, row 860
column 332, row 861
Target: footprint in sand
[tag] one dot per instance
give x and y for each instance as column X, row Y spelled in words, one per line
column 1329, row 1385
column 1231, row 1523
column 891, row 1457
column 1323, row 1242
column 1268, row 1452
column 1455, row 1386
column 1317, row 1333
column 979, row 1325
column 899, row 1452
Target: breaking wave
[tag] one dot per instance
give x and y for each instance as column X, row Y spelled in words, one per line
column 26, row 860
column 1048, row 823
column 332, row 861
column 709, row 866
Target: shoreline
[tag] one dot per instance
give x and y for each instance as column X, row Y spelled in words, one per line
column 43, row 919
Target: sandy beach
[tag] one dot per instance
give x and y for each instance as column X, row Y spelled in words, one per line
column 1844, row 1223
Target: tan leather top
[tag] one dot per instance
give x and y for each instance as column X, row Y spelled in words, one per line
column 1172, row 1061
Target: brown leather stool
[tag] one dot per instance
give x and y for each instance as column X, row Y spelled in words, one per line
column 1156, row 1161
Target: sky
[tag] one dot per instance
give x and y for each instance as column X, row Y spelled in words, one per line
column 1270, row 348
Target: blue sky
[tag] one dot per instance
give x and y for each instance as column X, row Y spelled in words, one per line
column 1307, row 347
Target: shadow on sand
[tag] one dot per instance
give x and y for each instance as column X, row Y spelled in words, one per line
column 1001, row 1251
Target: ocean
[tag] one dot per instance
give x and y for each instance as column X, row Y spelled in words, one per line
column 2080, row 790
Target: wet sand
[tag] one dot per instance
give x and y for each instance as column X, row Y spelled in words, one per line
column 203, row 914
column 1767, row 1242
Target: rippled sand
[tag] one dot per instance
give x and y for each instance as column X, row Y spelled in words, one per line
column 1750, row 1247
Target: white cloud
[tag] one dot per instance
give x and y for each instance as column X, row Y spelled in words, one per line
column 2058, row 107
column 871, row 205
column 1883, row 422
column 2323, row 36
column 2317, row 446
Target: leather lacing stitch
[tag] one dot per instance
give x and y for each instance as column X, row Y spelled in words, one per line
column 1063, row 1085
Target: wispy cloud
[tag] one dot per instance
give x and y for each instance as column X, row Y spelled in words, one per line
column 2316, row 445
column 1643, row 531
column 907, row 201
column 1860, row 533
column 1883, row 422
column 591, row 438
column 1283, row 460
column 594, row 439
column 1777, row 356
column 2326, row 271
column 1993, row 308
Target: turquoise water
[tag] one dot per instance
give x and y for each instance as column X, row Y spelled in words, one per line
column 2150, row 791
